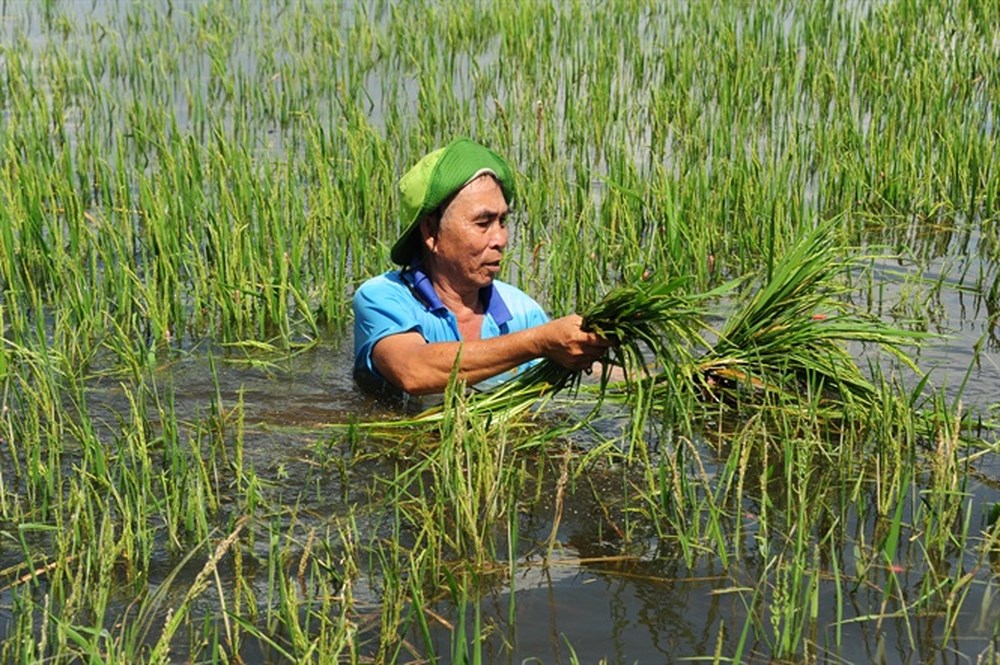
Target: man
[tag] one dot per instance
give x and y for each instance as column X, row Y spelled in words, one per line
column 446, row 301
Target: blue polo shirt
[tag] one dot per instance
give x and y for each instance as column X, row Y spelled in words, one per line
column 405, row 301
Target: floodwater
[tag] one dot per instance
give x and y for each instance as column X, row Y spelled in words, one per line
column 588, row 599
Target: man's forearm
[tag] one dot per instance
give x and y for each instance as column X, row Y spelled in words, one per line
column 423, row 368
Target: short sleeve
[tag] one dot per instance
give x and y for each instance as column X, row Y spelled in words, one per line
column 381, row 308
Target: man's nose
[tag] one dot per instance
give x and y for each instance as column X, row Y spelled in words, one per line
column 500, row 236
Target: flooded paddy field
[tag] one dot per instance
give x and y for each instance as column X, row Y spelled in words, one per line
column 192, row 190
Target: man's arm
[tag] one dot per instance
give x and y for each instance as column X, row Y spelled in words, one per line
column 419, row 367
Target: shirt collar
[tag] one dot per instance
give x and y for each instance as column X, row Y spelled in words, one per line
column 421, row 286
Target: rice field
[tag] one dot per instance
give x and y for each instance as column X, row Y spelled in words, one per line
column 788, row 210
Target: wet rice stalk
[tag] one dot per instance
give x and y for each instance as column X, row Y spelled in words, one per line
column 190, row 192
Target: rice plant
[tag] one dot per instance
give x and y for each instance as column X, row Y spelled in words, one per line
column 790, row 337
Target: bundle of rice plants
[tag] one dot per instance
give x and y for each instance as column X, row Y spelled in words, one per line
column 790, row 338
column 654, row 326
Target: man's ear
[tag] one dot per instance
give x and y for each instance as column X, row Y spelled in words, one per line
column 428, row 232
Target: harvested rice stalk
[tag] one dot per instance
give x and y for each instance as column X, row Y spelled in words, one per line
column 789, row 338
column 653, row 325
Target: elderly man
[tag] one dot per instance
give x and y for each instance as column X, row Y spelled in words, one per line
column 445, row 302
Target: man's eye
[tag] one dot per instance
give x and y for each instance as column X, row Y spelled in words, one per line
column 487, row 224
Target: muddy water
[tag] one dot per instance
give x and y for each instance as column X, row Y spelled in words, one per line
column 589, row 599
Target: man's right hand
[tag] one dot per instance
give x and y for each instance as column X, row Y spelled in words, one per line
column 566, row 343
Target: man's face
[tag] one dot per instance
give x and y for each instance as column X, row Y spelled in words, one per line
column 471, row 236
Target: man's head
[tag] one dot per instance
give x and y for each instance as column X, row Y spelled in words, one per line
column 436, row 181
column 464, row 242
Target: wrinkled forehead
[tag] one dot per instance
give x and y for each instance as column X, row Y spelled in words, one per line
column 481, row 195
